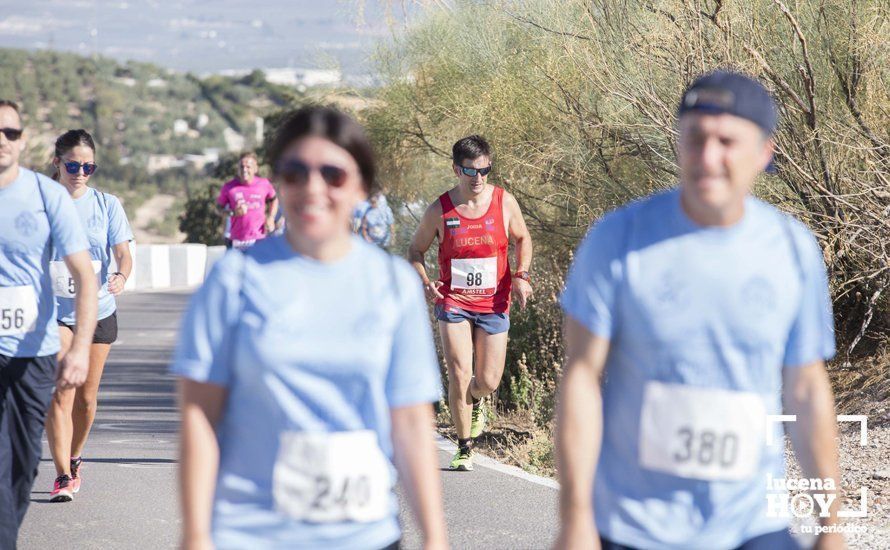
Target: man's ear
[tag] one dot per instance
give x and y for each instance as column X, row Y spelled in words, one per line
column 768, row 153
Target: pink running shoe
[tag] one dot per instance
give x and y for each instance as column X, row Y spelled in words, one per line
column 75, row 474
column 61, row 490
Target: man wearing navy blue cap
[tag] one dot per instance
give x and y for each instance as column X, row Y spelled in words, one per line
column 692, row 317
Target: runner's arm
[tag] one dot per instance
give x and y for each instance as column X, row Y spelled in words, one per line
column 124, row 261
column 522, row 240
column 75, row 364
column 518, row 233
column 201, row 405
column 418, row 468
column 421, row 241
column 271, row 212
column 579, row 428
column 807, row 394
column 363, row 228
column 222, row 203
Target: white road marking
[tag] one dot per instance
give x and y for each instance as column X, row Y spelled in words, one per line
column 491, row 464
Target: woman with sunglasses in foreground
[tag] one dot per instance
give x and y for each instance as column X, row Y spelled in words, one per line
column 72, row 411
column 307, row 371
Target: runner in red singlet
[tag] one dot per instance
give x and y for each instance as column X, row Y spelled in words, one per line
column 474, row 223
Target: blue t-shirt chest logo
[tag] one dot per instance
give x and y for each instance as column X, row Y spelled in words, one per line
column 95, row 223
column 758, row 295
column 26, row 223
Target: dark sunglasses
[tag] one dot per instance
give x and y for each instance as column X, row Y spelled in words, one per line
column 297, row 172
column 12, row 134
column 473, row 171
column 74, row 167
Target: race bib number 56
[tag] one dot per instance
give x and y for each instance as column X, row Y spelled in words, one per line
column 18, row 310
column 332, row 477
column 701, row 433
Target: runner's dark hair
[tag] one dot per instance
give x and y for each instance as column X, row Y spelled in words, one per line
column 469, row 148
column 12, row 105
column 332, row 125
column 68, row 141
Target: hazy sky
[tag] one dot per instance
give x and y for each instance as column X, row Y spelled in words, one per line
column 205, row 35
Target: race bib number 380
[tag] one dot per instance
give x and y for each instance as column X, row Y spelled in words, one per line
column 701, row 433
column 474, row 276
column 18, row 310
column 332, row 477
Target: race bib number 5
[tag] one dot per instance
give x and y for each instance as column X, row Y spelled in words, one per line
column 63, row 282
column 332, row 477
column 474, row 276
column 18, row 310
column 701, row 433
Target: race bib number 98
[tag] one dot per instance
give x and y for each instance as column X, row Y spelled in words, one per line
column 474, row 276
column 701, row 433
column 332, row 477
column 18, row 310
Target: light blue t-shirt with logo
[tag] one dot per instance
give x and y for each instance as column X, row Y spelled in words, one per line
column 34, row 220
column 106, row 225
column 378, row 220
column 304, row 347
column 712, row 312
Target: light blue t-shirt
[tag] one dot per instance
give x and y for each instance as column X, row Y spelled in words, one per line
column 706, row 308
column 357, row 213
column 304, row 347
column 106, row 225
column 31, row 225
column 378, row 220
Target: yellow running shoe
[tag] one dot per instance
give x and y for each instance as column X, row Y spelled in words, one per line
column 463, row 460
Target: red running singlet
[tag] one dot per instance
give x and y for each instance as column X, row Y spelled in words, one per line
column 473, row 264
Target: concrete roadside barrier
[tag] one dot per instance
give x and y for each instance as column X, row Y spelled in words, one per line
column 188, row 264
column 214, row 253
column 152, row 266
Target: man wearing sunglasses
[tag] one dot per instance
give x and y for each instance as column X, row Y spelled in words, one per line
column 36, row 216
column 474, row 222
column 250, row 202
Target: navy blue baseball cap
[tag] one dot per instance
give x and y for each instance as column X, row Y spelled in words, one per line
column 734, row 93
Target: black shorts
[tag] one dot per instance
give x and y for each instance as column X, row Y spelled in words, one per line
column 106, row 329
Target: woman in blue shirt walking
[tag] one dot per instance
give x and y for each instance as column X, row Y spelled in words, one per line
column 307, row 371
column 103, row 218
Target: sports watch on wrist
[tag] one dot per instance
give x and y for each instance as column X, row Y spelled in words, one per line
column 523, row 275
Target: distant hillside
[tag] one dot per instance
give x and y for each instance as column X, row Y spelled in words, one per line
column 132, row 108
column 156, row 130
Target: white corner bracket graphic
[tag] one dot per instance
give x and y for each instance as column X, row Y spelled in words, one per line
column 861, row 418
column 863, row 507
column 863, row 427
column 772, row 419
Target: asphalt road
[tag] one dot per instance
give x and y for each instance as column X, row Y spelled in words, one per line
column 128, row 498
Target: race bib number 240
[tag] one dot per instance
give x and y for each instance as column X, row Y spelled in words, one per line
column 332, row 477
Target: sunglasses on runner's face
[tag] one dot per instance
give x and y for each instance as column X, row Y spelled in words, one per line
column 473, row 171
column 74, row 167
column 12, row 134
column 297, row 172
